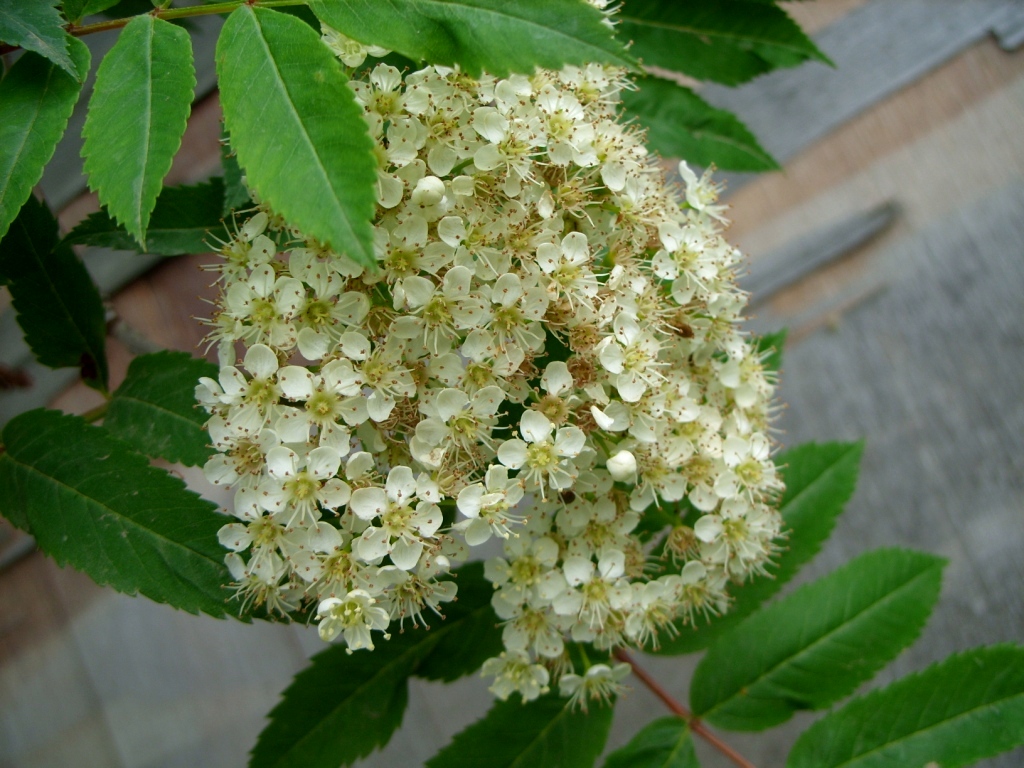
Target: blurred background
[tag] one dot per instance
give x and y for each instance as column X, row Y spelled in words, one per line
column 892, row 247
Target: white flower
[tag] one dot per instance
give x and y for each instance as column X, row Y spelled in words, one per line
column 489, row 506
column 550, row 347
column 599, row 683
column 514, row 673
column 593, row 594
column 291, row 493
column 540, row 457
column 701, row 193
column 354, row 616
column 403, row 528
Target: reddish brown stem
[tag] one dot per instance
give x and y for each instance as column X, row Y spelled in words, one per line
column 696, row 726
column 164, row 13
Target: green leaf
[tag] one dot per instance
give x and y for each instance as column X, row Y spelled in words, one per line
column 93, row 503
column 665, row 743
column 236, row 195
column 819, row 643
column 313, row 724
column 963, row 709
column 36, row 25
column 493, row 35
column 545, row 732
column 137, row 116
column 680, row 123
column 182, row 221
column 728, row 41
column 343, row 706
column 154, row 409
column 297, row 130
column 820, row 479
column 58, row 306
column 769, row 347
column 469, row 634
column 76, row 10
column 36, row 100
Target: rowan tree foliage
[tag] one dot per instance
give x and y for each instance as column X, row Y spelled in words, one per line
column 462, row 298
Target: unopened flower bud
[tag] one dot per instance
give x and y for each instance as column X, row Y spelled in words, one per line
column 622, row 466
column 429, row 191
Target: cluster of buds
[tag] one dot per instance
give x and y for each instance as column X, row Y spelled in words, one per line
column 546, row 353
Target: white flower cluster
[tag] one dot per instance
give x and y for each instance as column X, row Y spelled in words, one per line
column 547, row 352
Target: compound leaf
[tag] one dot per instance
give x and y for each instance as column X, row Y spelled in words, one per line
column 182, row 221
column 492, row 35
column 36, row 25
column 727, row 41
column 235, row 193
column 819, row 643
column 36, row 100
column 665, row 743
column 469, row 634
column 680, row 123
column 313, row 724
column 76, row 10
column 769, row 347
column 137, row 116
column 544, row 732
column 963, row 709
column 820, row 479
column 93, row 503
column 155, row 410
column 58, row 306
column 278, row 80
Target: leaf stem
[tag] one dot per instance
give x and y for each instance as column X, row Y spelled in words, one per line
column 694, row 723
column 167, row 14
column 96, row 413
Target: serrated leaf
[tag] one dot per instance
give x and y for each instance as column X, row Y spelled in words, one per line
column 136, row 118
column 93, row 503
column 58, row 306
column 963, row 709
column 769, row 347
column 346, row 705
column 819, row 643
column 680, row 123
column 76, row 10
column 154, row 410
column 727, row 41
column 493, row 35
column 236, row 195
column 470, row 633
column 36, row 100
column 36, row 25
column 544, row 732
column 343, row 706
column 665, row 743
column 820, row 479
column 298, row 132
column 182, row 222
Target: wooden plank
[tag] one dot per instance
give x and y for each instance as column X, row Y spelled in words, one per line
column 877, row 49
column 930, row 374
column 786, row 266
column 44, row 687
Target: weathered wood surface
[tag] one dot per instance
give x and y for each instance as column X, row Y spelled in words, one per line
column 877, row 49
column 928, row 368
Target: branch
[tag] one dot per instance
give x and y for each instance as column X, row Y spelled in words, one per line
column 168, row 14
column 696, row 726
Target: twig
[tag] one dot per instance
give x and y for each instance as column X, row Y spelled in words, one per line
column 164, row 13
column 696, row 726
